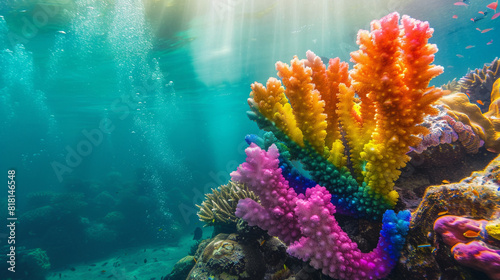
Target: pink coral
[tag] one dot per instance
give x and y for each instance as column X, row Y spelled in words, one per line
column 262, row 174
column 307, row 222
column 328, row 246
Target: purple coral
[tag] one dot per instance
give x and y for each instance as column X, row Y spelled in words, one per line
column 440, row 132
column 308, row 224
column 466, row 135
column 445, row 130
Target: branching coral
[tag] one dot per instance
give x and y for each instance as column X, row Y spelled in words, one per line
column 220, row 205
column 355, row 149
column 308, row 224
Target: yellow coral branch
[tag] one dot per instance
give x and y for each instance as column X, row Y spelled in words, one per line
column 393, row 72
column 274, row 105
column 306, row 102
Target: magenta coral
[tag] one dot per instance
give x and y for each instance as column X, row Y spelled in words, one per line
column 476, row 254
column 328, row 247
column 308, row 224
column 452, row 228
column 262, row 174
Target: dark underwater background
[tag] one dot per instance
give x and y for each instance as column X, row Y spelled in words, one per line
column 119, row 115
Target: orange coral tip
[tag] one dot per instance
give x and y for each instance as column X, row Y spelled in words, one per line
column 446, row 181
column 476, row 193
column 492, row 6
column 480, row 102
column 471, row 234
column 495, row 16
column 442, row 213
column 461, row 4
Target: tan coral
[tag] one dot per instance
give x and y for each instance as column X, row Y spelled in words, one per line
column 220, row 205
column 486, row 125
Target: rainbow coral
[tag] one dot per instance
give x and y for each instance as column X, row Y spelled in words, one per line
column 307, row 222
column 355, row 148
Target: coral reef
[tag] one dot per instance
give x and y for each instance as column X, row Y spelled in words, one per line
column 220, row 205
column 475, row 197
column 307, row 222
column 453, row 229
column 478, row 83
column 38, row 258
column 355, row 149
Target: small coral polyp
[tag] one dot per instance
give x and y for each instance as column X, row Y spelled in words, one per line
column 355, row 147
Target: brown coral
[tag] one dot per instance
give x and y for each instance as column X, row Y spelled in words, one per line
column 478, row 83
column 226, row 257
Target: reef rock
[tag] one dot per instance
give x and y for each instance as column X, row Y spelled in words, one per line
column 181, row 269
column 231, row 256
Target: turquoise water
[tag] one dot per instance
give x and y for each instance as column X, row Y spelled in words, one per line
column 148, row 98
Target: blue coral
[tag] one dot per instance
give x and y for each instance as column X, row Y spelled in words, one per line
column 394, row 231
